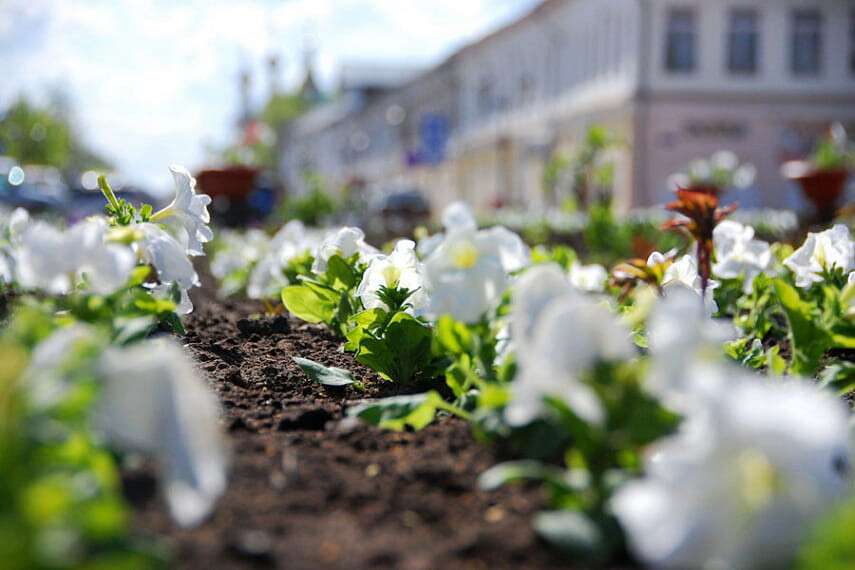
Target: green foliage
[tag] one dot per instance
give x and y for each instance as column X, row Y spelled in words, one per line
column 401, row 412
column 312, row 208
column 61, row 502
column 401, row 353
column 817, row 323
column 561, row 255
column 33, row 134
column 831, row 546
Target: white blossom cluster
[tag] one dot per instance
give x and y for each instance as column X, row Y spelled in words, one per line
column 91, row 256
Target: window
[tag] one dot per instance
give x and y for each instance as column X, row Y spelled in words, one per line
column 681, row 41
column 743, row 41
column 807, row 42
column 486, row 97
column 852, row 41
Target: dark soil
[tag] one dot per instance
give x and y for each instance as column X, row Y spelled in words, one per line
column 311, row 489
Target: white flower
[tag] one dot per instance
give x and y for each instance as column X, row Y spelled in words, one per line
column 700, row 170
column 54, row 261
column 738, row 254
column 533, row 292
column 167, row 256
column 18, row 222
column 470, row 270
column 724, row 160
column 740, row 486
column 267, row 277
column 238, row 251
column 457, row 216
column 346, row 242
column 187, row 215
column 683, row 273
column 153, row 402
column 588, row 278
column 559, row 334
column 400, row 269
column 744, row 176
column 6, row 275
column 832, row 248
column 47, row 381
column 184, row 306
column 683, row 341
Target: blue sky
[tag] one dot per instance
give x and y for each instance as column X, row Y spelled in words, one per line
column 152, row 82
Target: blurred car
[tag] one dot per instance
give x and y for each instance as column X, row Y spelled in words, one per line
column 399, row 212
column 36, row 188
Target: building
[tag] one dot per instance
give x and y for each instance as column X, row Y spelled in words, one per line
column 675, row 79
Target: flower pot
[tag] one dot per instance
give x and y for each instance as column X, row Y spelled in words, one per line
column 233, row 182
column 822, row 187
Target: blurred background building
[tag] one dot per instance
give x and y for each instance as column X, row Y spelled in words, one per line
column 675, row 81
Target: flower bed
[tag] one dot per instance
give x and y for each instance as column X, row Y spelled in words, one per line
column 461, row 401
column 312, row 489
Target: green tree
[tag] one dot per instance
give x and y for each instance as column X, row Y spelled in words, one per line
column 34, row 135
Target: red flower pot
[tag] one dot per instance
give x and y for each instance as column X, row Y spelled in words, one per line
column 822, row 187
column 233, row 182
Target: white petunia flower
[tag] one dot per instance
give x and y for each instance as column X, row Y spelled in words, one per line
column 153, row 402
column 589, row 278
column 46, row 380
column 683, row 274
column 457, row 216
column 742, row 485
column 466, row 277
column 168, row 257
column 187, row 216
column 822, row 251
column 683, row 342
column 559, row 334
column 184, row 306
column 267, row 277
column 239, row 250
column 738, row 254
column 54, row 261
column 400, row 269
column 470, row 270
column 18, row 222
column 346, row 242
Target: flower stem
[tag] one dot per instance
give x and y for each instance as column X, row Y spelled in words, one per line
column 164, row 213
column 108, row 192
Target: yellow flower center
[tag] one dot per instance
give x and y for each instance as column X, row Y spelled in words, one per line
column 391, row 275
column 758, row 479
column 464, row 255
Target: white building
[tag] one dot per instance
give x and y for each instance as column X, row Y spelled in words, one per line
column 676, row 79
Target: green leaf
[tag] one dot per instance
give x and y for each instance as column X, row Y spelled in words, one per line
column 404, row 350
column 398, row 412
column 341, row 275
column 570, row 531
column 139, row 275
column 453, row 336
column 310, row 304
column 809, row 341
column 516, row 471
column 326, row 375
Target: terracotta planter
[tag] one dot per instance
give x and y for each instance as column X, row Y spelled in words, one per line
column 233, row 182
column 822, row 187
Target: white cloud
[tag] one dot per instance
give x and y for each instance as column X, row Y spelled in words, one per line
column 152, row 80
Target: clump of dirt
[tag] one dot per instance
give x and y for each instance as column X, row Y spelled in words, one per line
column 310, row 488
